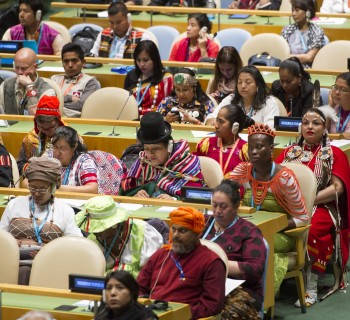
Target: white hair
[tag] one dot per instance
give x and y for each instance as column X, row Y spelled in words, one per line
column 40, row 315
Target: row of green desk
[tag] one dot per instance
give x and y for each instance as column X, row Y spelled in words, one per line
column 268, row 222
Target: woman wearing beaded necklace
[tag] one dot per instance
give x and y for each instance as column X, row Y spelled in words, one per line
column 227, row 148
column 246, row 257
column 37, row 219
column 271, row 187
column 340, row 96
column 330, row 219
column 149, row 81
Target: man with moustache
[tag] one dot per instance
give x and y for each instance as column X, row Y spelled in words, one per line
column 186, row 271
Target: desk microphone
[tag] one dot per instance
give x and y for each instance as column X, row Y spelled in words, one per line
column 126, row 101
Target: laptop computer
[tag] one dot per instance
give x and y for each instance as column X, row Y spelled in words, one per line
column 12, row 46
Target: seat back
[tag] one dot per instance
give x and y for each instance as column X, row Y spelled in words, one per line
column 211, row 170
column 9, row 253
column 110, row 103
column 7, row 74
column 218, row 250
column 63, row 256
column 58, row 91
column 281, row 107
column 151, row 36
column 307, row 183
column 15, row 171
column 262, row 43
column 73, row 30
column 61, row 29
column 324, row 92
column 233, row 37
column 339, row 50
column 165, row 35
column 286, row 6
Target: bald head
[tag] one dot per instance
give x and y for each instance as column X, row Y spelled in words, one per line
column 25, row 63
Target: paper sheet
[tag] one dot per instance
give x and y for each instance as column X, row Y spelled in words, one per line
column 130, row 206
column 74, row 202
column 202, row 134
column 3, row 123
column 166, row 209
column 232, row 284
column 324, row 20
column 340, row 143
column 103, row 14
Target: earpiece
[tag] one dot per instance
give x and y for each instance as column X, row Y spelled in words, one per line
column 235, row 127
column 104, row 296
column 308, row 14
column 170, row 146
column 38, row 15
column 203, row 30
column 129, row 17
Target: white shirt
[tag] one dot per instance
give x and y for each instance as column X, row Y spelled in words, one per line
column 264, row 115
column 335, row 6
column 63, row 215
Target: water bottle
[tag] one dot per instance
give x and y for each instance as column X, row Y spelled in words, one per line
column 211, row 5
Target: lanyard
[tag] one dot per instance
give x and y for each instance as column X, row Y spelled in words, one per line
column 138, row 99
column 37, row 229
column 178, row 266
column 66, row 174
column 302, row 40
column 117, row 43
column 219, row 234
column 254, row 174
column 229, row 156
column 107, row 251
column 71, row 85
column 343, row 127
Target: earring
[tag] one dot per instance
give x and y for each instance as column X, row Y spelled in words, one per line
column 170, row 146
column 235, row 127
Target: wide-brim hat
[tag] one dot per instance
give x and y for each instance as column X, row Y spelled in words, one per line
column 99, row 214
column 153, row 128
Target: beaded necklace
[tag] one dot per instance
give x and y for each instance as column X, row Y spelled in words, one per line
column 37, row 229
column 260, row 188
column 140, row 98
column 219, row 232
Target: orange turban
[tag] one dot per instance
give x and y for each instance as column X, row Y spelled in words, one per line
column 188, row 218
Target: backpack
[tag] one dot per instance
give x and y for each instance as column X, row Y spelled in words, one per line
column 111, row 171
column 264, row 59
column 86, row 38
column 131, row 154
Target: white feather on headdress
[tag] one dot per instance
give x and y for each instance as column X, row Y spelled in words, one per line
column 329, row 113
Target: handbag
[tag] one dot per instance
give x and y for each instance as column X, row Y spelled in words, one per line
column 264, row 59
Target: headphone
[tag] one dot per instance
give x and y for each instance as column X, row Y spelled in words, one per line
column 235, row 127
column 104, row 296
column 38, row 15
column 308, row 14
column 170, row 146
column 129, row 17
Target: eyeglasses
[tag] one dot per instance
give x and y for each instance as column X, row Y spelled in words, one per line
column 340, row 89
column 184, row 90
column 35, row 190
column 61, row 149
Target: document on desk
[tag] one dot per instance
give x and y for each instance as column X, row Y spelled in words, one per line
column 165, row 209
column 130, row 206
column 103, row 14
column 202, row 134
column 75, row 203
column 232, row 284
column 340, row 143
column 324, row 20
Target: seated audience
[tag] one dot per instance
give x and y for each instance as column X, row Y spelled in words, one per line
column 120, row 39
column 191, row 103
column 49, row 40
column 227, row 148
column 198, row 44
column 149, row 81
column 340, row 95
column 271, row 187
column 120, row 302
column 39, row 218
column 176, row 3
column 335, row 6
column 186, row 271
column 76, row 86
column 252, row 95
column 246, row 256
column 79, row 171
column 305, row 38
column 294, row 88
column 38, row 141
column 164, row 166
column 328, row 235
column 227, row 65
column 256, row 4
column 20, row 95
column 37, row 315
column 127, row 243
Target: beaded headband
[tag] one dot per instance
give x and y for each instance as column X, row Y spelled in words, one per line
column 185, row 79
column 261, row 129
column 312, row 113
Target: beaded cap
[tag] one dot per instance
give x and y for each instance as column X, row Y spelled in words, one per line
column 185, row 79
column 261, row 129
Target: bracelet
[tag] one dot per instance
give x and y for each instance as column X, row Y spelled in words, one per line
column 30, row 85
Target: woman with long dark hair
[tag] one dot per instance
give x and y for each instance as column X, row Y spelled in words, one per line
column 149, row 81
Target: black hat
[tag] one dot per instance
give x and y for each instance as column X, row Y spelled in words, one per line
column 153, row 128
